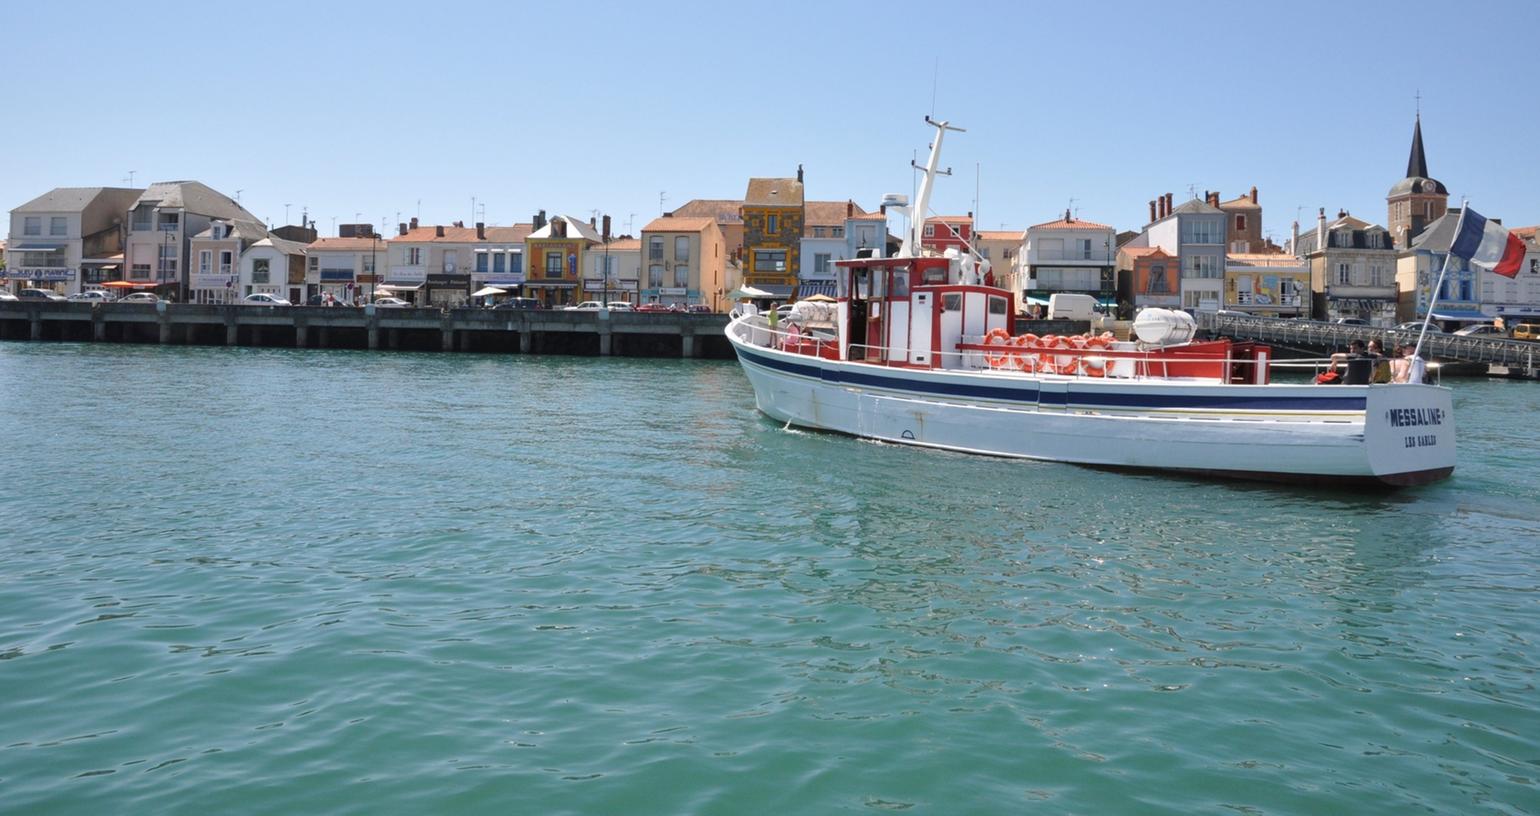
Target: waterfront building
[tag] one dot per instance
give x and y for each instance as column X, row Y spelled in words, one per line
column 684, row 262
column 1148, row 276
column 441, row 265
column 1243, row 224
column 1416, row 201
column 943, row 232
column 1194, row 233
column 555, row 252
column 1070, row 255
column 216, row 252
column 68, row 239
column 499, row 257
column 728, row 213
column 1470, row 294
column 276, row 266
column 866, row 234
column 1352, row 269
column 826, row 238
column 614, row 270
column 773, row 216
column 1004, row 249
column 1267, row 284
column 162, row 223
column 345, row 268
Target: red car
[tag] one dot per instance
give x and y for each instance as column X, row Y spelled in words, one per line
column 654, row 307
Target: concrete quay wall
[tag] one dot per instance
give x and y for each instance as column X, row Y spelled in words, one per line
column 537, row 331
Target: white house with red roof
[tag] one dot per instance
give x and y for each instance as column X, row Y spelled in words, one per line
column 1071, row 255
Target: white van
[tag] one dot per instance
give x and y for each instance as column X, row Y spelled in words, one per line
column 1066, row 306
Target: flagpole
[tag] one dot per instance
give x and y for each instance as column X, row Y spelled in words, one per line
column 1439, row 287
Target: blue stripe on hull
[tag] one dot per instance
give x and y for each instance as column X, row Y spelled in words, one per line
column 1030, row 393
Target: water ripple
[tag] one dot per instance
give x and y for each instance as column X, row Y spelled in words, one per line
column 486, row 584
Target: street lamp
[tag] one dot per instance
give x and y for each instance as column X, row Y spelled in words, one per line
column 374, row 264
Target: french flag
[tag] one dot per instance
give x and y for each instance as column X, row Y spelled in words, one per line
column 1487, row 244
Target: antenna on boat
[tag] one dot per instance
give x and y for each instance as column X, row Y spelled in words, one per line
column 911, row 247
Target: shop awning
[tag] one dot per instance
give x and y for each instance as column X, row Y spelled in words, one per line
column 550, row 285
column 1459, row 314
column 773, row 290
column 807, row 289
column 399, row 287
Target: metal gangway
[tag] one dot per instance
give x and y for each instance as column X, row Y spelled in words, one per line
column 1318, row 335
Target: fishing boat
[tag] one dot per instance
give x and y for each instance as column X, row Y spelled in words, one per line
column 920, row 349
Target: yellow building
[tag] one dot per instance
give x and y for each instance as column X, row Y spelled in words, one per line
column 773, row 213
column 554, row 254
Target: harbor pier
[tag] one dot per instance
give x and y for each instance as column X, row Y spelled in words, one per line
column 523, row 331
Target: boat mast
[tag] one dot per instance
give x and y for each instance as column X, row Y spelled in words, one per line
column 911, row 247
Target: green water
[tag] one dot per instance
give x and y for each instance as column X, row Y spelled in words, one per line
column 263, row 581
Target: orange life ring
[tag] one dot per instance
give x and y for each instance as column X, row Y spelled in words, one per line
column 997, row 337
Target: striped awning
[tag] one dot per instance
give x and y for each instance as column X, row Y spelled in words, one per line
column 806, row 289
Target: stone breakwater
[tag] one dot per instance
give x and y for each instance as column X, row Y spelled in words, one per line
column 536, row 331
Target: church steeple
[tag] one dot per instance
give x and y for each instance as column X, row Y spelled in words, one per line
column 1417, row 200
column 1417, row 163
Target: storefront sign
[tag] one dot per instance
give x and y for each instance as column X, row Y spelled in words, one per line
column 42, row 273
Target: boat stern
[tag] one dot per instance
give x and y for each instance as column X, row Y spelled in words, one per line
column 1409, row 433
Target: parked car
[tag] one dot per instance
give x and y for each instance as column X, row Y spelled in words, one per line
column 1526, row 331
column 619, row 305
column 1416, row 326
column 587, row 306
column 264, row 299
column 518, row 303
column 93, row 296
column 141, row 297
column 391, row 303
column 1351, row 321
column 1480, row 330
column 39, row 294
column 698, row 308
column 653, row 307
column 4, row 295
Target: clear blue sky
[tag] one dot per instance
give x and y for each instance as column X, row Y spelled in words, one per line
column 370, row 108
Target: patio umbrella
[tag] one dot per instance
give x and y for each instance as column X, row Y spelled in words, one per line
column 489, row 290
column 749, row 292
column 819, row 298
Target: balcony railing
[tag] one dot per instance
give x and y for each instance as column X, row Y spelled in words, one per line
column 1069, row 255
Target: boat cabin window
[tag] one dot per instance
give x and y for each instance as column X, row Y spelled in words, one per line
column 879, row 283
column 935, row 274
column 901, row 283
column 951, row 302
column 996, row 305
column 863, row 283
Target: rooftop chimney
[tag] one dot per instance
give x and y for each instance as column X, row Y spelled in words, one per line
column 1253, row 193
column 414, row 222
column 1320, row 229
column 799, row 174
column 438, row 231
column 1152, row 211
column 402, row 227
column 1067, row 215
column 481, row 230
column 1168, row 203
column 850, row 207
column 593, row 221
column 539, row 220
column 606, row 229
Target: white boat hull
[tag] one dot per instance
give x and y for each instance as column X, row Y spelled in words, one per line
column 1384, row 434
